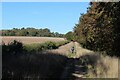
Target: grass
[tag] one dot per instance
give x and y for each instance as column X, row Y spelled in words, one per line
column 33, row 65
column 20, row 64
column 105, row 67
column 99, row 66
column 96, row 64
column 71, row 55
column 44, row 46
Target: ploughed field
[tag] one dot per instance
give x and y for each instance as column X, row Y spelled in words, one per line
column 30, row 40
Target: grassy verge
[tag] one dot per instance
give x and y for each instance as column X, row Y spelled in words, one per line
column 99, row 66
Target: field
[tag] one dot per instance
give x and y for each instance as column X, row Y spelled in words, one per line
column 30, row 40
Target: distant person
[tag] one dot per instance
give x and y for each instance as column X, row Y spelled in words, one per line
column 72, row 49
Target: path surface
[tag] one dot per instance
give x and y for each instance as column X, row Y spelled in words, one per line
column 72, row 70
column 76, row 67
column 77, row 70
column 64, row 50
column 81, row 51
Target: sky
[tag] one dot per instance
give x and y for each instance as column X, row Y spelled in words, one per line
column 57, row 16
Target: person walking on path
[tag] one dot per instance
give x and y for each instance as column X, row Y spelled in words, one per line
column 72, row 49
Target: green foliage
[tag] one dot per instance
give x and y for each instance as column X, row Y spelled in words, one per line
column 99, row 29
column 51, row 45
column 71, row 55
column 44, row 46
column 31, row 32
column 69, row 36
column 16, row 47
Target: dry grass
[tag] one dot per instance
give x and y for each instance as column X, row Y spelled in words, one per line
column 35, row 66
column 107, row 67
column 81, row 51
column 29, row 40
column 20, row 64
column 99, row 66
column 64, row 50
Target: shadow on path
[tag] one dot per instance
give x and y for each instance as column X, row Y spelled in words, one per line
column 77, row 68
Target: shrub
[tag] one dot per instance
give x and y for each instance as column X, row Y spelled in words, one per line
column 12, row 48
column 44, row 46
column 51, row 45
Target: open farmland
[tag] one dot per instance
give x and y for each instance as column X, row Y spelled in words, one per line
column 60, row 41
column 30, row 40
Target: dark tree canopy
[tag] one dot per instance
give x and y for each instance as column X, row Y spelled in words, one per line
column 99, row 29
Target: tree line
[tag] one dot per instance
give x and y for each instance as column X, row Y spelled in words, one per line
column 98, row 29
column 31, row 32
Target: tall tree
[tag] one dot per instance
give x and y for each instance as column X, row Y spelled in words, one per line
column 98, row 28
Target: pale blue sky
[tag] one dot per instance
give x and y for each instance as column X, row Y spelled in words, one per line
column 57, row 16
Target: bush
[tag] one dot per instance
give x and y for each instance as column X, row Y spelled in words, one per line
column 12, row 48
column 51, row 45
column 44, row 46
column 62, row 43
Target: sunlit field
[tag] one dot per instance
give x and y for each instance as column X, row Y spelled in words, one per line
column 30, row 40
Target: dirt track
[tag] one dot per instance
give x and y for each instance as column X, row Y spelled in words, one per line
column 72, row 70
column 64, row 50
column 75, row 69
